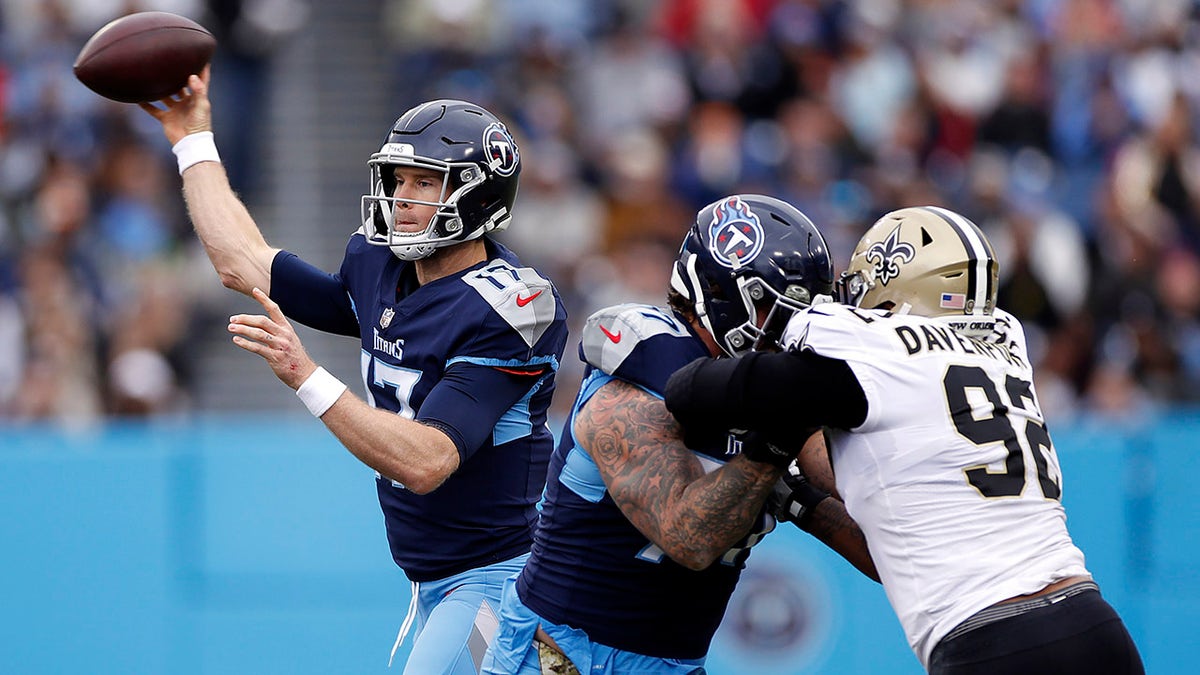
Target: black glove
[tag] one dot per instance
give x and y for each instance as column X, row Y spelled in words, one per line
column 757, row 447
column 795, row 498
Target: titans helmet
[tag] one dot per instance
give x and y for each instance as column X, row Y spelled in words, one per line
column 927, row 261
column 480, row 166
column 748, row 263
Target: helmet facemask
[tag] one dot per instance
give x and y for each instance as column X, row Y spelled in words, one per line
column 780, row 307
column 445, row 227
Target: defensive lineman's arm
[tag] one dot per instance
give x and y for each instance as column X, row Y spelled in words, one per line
column 233, row 241
column 660, row 485
column 828, row 521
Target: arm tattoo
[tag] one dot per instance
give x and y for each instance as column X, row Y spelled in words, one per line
column 658, row 483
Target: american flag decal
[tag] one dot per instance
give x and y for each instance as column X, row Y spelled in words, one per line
column 953, row 301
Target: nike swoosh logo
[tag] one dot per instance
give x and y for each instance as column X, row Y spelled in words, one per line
column 521, row 302
column 615, row 338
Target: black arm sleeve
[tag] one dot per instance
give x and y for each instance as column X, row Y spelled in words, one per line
column 311, row 296
column 771, row 392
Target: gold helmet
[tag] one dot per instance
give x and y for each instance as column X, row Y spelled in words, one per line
column 928, row 261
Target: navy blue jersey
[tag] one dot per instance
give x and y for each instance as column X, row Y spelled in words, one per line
column 590, row 567
column 473, row 354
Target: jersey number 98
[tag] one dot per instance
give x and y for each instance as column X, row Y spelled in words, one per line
column 999, row 427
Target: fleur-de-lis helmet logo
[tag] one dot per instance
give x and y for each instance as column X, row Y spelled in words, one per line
column 886, row 256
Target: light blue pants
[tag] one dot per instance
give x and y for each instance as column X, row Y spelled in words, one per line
column 456, row 619
column 513, row 653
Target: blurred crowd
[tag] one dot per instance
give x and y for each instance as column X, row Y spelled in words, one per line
column 101, row 281
column 1065, row 128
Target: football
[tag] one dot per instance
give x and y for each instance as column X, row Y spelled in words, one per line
column 144, row 57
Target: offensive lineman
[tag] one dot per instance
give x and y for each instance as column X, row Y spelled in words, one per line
column 641, row 540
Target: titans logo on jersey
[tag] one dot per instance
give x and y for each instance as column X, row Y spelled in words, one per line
column 472, row 354
column 584, row 546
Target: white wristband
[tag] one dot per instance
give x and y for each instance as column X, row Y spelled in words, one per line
column 320, row 391
column 195, row 148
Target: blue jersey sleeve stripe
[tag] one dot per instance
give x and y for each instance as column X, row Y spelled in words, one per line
column 547, row 359
column 482, row 402
column 515, row 423
column 581, row 475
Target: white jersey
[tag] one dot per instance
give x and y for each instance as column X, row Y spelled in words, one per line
column 952, row 476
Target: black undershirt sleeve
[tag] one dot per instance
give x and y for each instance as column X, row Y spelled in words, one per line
column 771, row 392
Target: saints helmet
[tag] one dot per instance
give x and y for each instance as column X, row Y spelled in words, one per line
column 480, row 167
column 748, row 263
column 928, row 261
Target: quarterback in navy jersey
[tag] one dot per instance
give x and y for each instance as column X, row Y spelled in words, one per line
column 460, row 345
column 643, row 534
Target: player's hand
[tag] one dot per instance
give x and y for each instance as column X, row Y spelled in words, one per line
column 756, row 446
column 795, row 498
column 187, row 111
column 273, row 338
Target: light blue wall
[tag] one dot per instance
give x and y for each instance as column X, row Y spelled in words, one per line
column 256, row 545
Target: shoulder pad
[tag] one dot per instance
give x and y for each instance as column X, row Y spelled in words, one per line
column 521, row 296
column 1009, row 332
column 795, row 336
column 827, row 327
column 643, row 344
